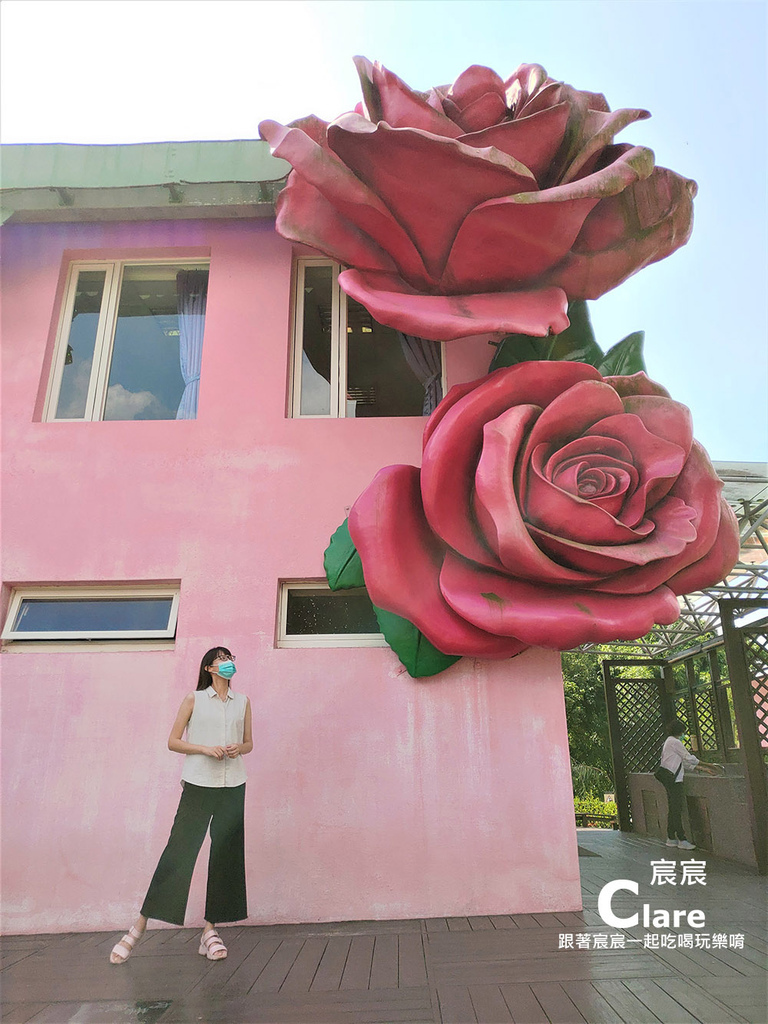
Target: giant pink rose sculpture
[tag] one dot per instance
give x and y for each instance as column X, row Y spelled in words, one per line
column 480, row 207
column 554, row 507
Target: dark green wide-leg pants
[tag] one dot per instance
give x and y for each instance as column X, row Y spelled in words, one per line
column 675, row 810
column 201, row 806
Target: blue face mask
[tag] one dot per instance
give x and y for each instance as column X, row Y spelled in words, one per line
column 226, row 669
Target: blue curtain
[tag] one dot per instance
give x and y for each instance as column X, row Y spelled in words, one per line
column 423, row 357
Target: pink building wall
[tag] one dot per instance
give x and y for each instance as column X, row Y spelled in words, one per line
column 370, row 795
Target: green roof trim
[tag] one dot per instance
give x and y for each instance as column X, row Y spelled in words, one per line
column 153, row 180
column 151, row 163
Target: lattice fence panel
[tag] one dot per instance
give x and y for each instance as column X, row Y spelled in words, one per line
column 756, row 651
column 705, row 715
column 641, row 723
column 683, row 711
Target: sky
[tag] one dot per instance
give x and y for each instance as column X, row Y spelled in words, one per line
column 122, row 71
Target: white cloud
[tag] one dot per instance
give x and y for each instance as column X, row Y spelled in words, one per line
column 130, row 405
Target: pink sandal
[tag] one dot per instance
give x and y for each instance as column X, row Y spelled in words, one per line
column 211, row 946
column 123, row 949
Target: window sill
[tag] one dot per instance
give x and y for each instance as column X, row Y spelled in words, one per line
column 115, row 646
column 348, row 640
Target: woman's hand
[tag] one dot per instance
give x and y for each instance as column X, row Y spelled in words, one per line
column 217, row 752
column 233, row 750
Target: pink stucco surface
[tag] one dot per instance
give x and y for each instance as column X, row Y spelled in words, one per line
column 370, row 795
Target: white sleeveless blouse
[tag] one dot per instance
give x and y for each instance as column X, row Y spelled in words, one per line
column 215, row 723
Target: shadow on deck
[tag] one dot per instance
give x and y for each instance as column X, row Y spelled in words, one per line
column 448, row 970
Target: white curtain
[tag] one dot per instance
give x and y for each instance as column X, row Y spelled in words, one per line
column 191, row 300
column 423, row 357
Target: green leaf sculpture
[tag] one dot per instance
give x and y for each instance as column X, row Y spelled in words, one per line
column 577, row 344
column 520, row 348
column 419, row 656
column 344, row 571
column 625, row 358
column 341, row 562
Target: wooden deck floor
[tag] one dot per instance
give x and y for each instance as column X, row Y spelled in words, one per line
column 450, row 970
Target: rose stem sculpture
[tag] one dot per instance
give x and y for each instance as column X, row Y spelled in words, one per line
column 558, row 502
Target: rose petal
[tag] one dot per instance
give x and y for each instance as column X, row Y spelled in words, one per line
column 626, row 232
column 339, row 186
column 699, row 487
column 568, row 416
column 554, row 617
column 304, row 215
column 396, row 304
column 389, row 99
column 396, row 164
column 573, row 412
column 602, row 481
column 636, row 384
column 524, row 83
column 401, row 563
column 556, row 512
column 628, row 169
column 593, row 448
column 504, row 242
column 452, row 452
column 495, row 502
column 549, row 94
column 596, row 101
column 657, row 459
column 664, row 418
column 718, row 561
column 668, row 530
column 494, row 496
column 667, row 422
column 482, row 112
column 455, row 394
column 311, row 125
column 598, row 130
column 582, row 459
column 533, row 140
column 473, row 84
column 606, row 488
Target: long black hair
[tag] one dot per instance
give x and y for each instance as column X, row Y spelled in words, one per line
column 204, row 679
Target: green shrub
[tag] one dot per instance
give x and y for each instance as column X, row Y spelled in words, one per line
column 593, row 805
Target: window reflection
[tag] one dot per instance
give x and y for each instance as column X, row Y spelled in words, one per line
column 81, row 342
column 40, row 615
column 132, row 352
column 312, row 612
column 351, row 365
column 316, row 341
column 145, row 378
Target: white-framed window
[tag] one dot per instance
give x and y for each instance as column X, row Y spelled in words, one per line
column 310, row 614
column 130, row 341
column 345, row 363
column 128, row 612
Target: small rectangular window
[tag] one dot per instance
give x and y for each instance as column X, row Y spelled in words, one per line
column 310, row 614
column 130, row 342
column 92, row 613
column 347, row 364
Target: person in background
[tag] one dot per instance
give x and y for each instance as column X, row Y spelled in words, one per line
column 676, row 758
column 218, row 725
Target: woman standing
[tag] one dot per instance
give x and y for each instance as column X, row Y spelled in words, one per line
column 218, row 725
column 675, row 758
